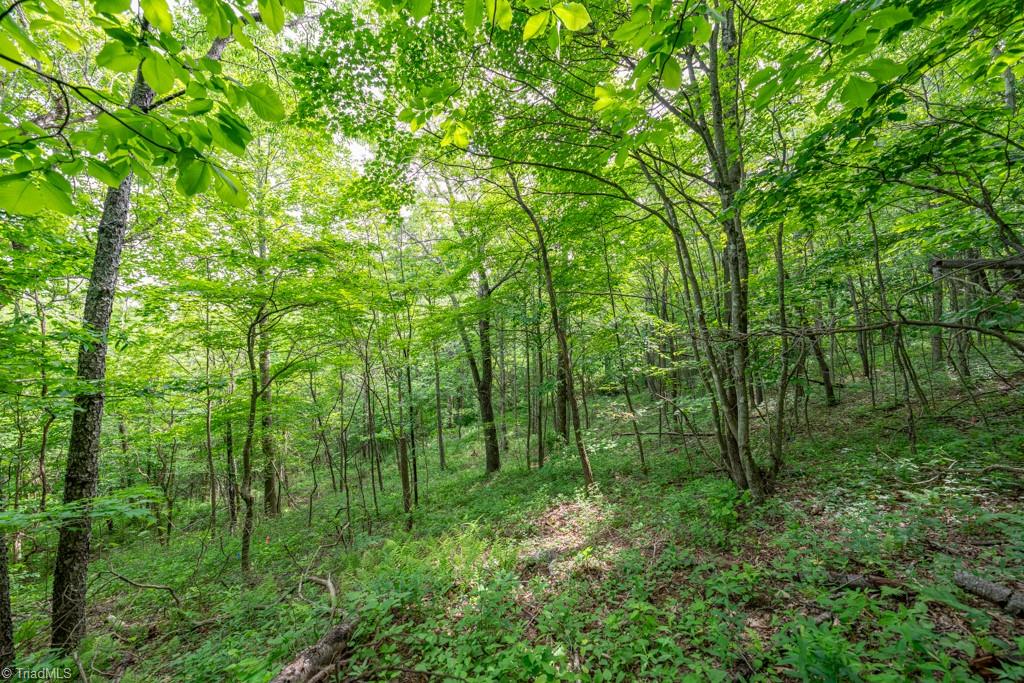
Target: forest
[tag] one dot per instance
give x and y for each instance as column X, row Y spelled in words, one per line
column 511, row 340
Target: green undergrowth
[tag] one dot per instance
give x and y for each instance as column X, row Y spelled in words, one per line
column 667, row 575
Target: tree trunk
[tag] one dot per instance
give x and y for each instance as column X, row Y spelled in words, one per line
column 862, row 335
column 823, row 368
column 232, row 476
column 541, row 435
column 6, row 616
column 561, row 403
column 485, row 395
column 211, row 470
column 403, row 472
column 271, row 503
column 437, row 410
column 250, row 435
column 82, row 475
column 482, row 372
column 563, row 343
column 936, row 337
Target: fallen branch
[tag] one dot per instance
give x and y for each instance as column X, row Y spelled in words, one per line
column 978, row 263
column 684, row 434
column 313, row 662
column 1010, row 600
column 1002, row 468
column 866, row 581
column 329, row 585
column 153, row 586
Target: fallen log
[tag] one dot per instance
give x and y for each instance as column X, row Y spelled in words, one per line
column 684, row 434
column 978, row 263
column 315, row 660
column 865, row 581
column 1002, row 468
column 1010, row 600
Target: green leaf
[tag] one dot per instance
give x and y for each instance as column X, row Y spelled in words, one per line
column 69, row 39
column 890, row 16
column 8, row 49
column 701, row 30
column 455, row 133
column 884, row 69
column 574, row 16
column 103, row 173
column 555, row 40
column 760, row 77
column 238, row 31
column 56, row 199
column 671, row 74
column 629, row 30
column 199, row 106
column 499, row 13
column 113, row 6
column 194, row 177
column 536, row 24
column 473, row 15
column 24, row 40
column 295, row 6
column 158, row 14
column 264, row 101
column 229, row 132
column 158, row 73
column 857, row 92
column 420, row 8
column 604, row 97
column 272, row 13
column 229, row 189
column 115, row 57
column 19, row 195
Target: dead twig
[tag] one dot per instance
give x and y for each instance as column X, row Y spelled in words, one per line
column 137, row 584
column 331, row 590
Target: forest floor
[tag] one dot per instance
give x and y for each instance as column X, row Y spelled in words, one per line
column 665, row 575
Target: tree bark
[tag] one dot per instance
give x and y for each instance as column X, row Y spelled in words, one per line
column 485, row 389
column 232, row 477
column 936, row 336
column 82, row 474
column 561, row 402
column 6, row 616
column 313, row 660
column 437, row 411
column 271, row 503
column 824, row 369
column 250, row 432
column 211, row 469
